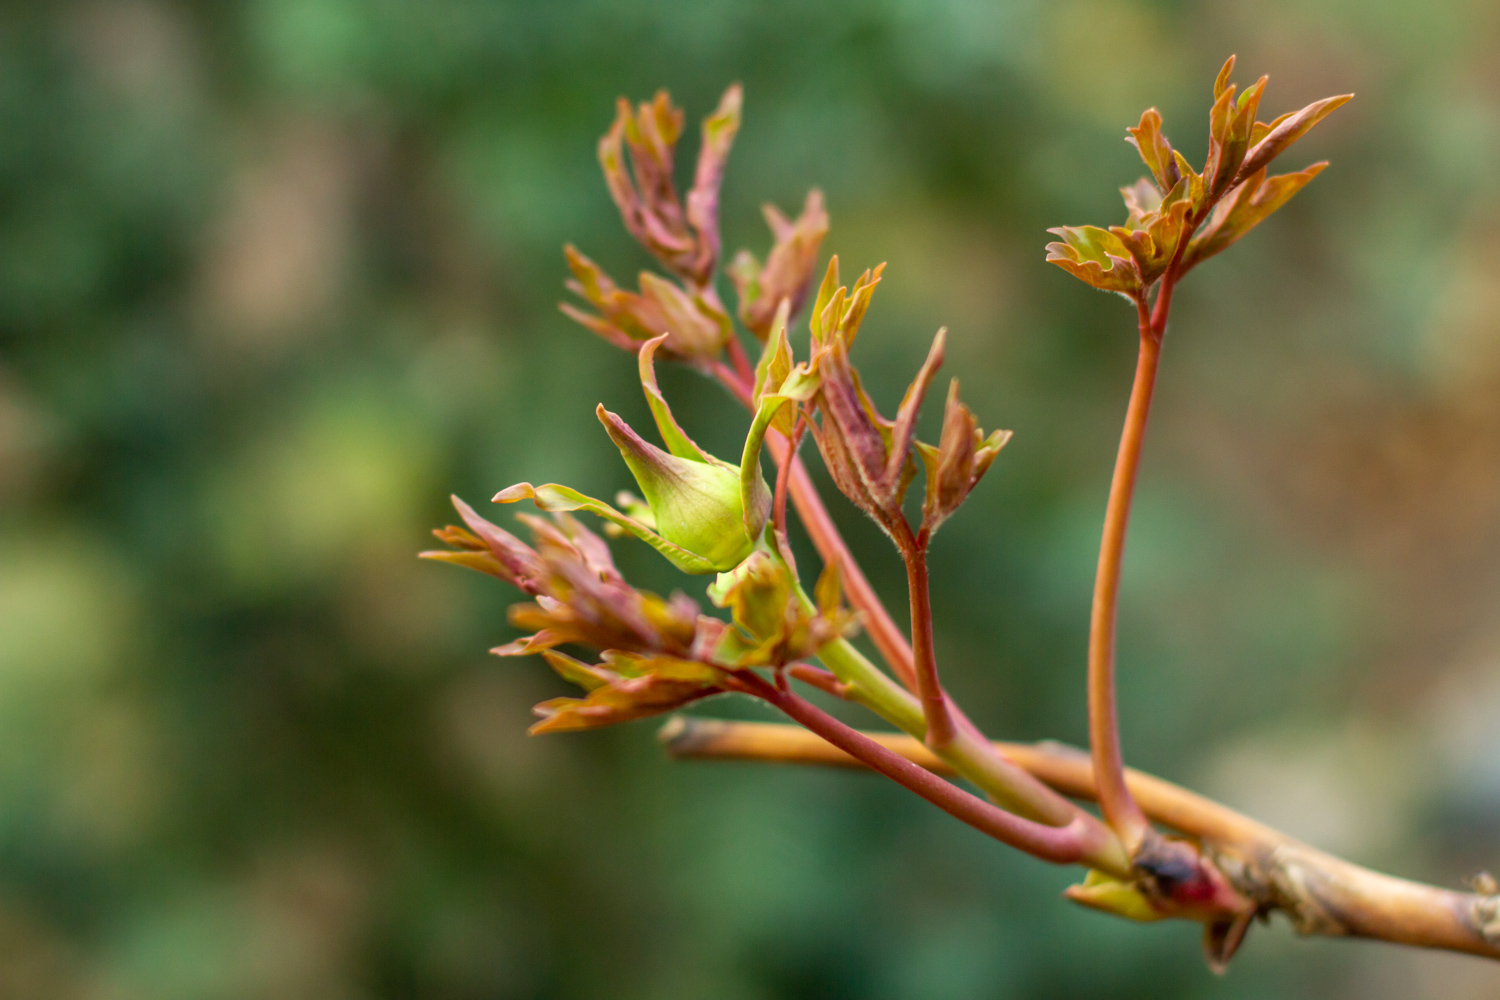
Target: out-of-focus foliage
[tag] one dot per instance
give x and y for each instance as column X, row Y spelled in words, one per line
column 275, row 275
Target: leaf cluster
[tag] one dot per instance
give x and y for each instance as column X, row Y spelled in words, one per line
column 1178, row 217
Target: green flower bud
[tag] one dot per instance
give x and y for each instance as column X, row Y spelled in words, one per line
column 704, row 515
column 694, row 504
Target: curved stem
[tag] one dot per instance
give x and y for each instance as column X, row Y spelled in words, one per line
column 968, row 754
column 1119, row 808
column 882, row 629
column 1062, row 844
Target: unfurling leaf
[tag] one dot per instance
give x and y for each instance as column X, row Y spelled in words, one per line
column 1152, row 234
column 623, row 688
column 554, row 497
column 1255, row 199
column 963, row 455
column 696, row 329
column 654, row 652
column 1155, row 150
column 491, row 550
column 867, row 456
column 774, row 366
column 580, row 595
column 1097, row 257
column 1272, row 140
column 719, row 130
column 687, row 242
column 838, row 311
column 788, row 271
column 1226, row 200
column 1230, row 125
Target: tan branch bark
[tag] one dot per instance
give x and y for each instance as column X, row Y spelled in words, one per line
column 1319, row 893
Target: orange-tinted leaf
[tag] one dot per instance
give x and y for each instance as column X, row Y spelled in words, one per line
column 906, row 416
column 789, row 269
column 1288, row 129
column 1152, row 236
column 1097, row 257
column 719, row 130
column 1155, row 150
column 1221, row 83
column 629, row 688
column 696, row 330
column 955, row 466
column 686, row 241
column 1244, row 209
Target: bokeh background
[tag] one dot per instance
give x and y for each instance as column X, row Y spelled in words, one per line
column 276, row 276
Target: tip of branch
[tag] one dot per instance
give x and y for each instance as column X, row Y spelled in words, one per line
column 682, row 735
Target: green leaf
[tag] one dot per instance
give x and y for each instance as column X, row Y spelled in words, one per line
column 1097, row 257
column 553, row 497
column 775, row 364
column 1221, row 83
column 677, row 441
column 755, row 496
column 573, row 671
column 825, row 295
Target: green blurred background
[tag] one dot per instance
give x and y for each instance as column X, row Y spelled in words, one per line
column 277, row 275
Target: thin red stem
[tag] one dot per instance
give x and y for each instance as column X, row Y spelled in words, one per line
column 1119, row 807
column 741, row 389
column 1061, row 844
column 1163, row 306
column 882, row 628
column 935, row 706
column 823, row 680
column 879, row 624
column 741, row 362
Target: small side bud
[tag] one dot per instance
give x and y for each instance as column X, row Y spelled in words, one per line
column 1111, row 895
column 955, row 466
column 788, row 271
column 772, row 626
